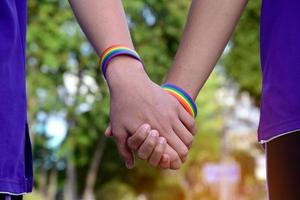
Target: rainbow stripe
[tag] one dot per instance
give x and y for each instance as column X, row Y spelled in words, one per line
column 114, row 51
column 184, row 98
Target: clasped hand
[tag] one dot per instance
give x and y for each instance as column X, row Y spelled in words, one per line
column 145, row 119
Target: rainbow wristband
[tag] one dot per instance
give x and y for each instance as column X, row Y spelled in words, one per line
column 184, row 99
column 113, row 51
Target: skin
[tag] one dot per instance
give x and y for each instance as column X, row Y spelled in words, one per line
column 196, row 56
column 150, row 146
column 213, row 20
column 208, row 29
column 148, row 103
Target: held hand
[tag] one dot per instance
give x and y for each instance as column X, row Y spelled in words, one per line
column 149, row 146
column 153, row 148
column 136, row 100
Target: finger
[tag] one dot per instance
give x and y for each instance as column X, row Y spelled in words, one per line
column 148, row 146
column 157, row 153
column 176, row 164
column 184, row 134
column 123, row 149
column 175, row 161
column 187, row 120
column 165, row 162
column 137, row 139
column 175, row 142
column 108, row 131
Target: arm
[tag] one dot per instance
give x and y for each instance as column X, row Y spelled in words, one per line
column 209, row 27
column 103, row 21
column 135, row 100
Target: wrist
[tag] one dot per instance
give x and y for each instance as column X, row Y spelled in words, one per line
column 123, row 69
column 182, row 96
column 186, row 86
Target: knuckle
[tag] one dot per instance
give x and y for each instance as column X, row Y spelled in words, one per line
column 151, row 143
column 174, row 119
column 178, row 107
column 166, row 129
column 172, row 115
column 141, row 155
column 174, row 103
column 165, row 117
column 159, row 150
column 192, row 123
column 139, row 137
column 168, row 114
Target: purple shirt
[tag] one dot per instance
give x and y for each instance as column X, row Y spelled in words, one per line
column 280, row 60
column 15, row 149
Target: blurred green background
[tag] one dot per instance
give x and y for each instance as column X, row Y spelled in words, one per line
column 68, row 105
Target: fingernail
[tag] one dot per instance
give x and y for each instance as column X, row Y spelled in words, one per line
column 162, row 140
column 153, row 134
column 146, row 127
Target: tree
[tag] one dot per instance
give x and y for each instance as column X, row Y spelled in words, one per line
column 63, row 77
column 242, row 61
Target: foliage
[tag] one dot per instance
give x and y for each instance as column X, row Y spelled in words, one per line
column 116, row 190
column 242, row 60
column 61, row 64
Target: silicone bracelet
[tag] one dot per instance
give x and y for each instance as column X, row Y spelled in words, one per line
column 183, row 97
column 113, row 51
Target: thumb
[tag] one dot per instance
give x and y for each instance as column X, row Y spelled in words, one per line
column 108, row 132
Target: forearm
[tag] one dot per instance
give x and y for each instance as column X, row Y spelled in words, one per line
column 134, row 98
column 104, row 23
column 209, row 27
